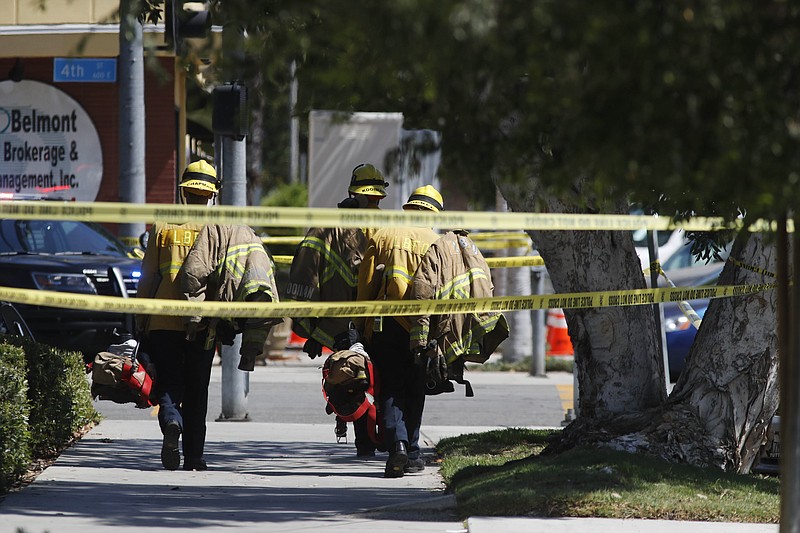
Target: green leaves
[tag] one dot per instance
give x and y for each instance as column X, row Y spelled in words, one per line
column 691, row 104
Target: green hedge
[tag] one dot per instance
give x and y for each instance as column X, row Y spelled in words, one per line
column 59, row 401
column 14, row 435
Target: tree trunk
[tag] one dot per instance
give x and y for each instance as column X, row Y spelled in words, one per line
column 620, row 375
column 719, row 410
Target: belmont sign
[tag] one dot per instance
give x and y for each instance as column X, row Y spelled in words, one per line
column 48, row 143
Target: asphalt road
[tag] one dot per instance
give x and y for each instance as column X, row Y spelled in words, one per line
column 290, row 391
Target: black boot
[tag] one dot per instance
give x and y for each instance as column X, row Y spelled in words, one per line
column 340, row 430
column 170, row 456
column 194, row 464
column 398, row 457
column 414, row 465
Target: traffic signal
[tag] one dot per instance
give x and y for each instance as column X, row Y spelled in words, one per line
column 230, row 117
column 180, row 24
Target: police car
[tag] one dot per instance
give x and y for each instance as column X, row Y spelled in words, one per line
column 68, row 256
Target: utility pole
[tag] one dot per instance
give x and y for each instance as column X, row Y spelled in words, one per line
column 230, row 120
column 131, row 115
column 789, row 343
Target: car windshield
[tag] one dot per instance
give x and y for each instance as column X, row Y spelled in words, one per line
column 640, row 237
column 684, row 258
column 57, row 237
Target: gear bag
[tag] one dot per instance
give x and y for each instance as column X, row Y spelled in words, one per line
column 119, row 375
column 349, row 388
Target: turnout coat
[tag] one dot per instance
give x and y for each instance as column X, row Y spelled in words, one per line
column 453, row 268
column 228, row 263
column 325, row 268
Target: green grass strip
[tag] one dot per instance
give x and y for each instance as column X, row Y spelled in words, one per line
column 501, row 473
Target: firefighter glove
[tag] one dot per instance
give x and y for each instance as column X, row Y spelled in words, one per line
column 248, row 352
column 313, row 348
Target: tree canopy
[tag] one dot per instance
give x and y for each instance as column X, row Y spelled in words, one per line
column 695, row 103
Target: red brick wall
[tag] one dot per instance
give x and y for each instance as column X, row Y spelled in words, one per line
column 101, row 102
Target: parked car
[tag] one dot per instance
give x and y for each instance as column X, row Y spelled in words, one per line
column 12, row 323
column 669, row 242
column 683, row 258
column 68, row 256
column 679, row 331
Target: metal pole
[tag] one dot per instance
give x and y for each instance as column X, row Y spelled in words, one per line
column 576, row 394
column 789, row 390
column 294, row 129
column 234, row 177
column 537, row 325
column 658, row 311
column 235, row 383
column 131, row 116
column 518, row 281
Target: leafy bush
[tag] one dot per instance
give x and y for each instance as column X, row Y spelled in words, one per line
column 285, row 195
column 14, row 411
column 58, row 393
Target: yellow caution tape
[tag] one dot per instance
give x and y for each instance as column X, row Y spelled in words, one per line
column 655, row 265
column 498, row 235
column 113, row 304
column 519, row 261
column 129, row 241
column 300, row 217
column 484, row 244
column 294, row 239
column 502, row 245
column 494, row 262
column 685, row 307
column 751, row 268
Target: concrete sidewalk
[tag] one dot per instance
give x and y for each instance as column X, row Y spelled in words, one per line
column 263, row 477
column 273, row 477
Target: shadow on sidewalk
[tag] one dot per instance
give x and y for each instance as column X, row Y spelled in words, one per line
column 120, row 483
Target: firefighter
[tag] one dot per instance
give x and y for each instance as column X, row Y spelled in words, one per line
column 386, row 271
column 182, row 366
column 367, row 187
column 325, row 268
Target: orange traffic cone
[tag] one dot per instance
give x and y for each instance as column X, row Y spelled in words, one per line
column 295, row 341
column 558, row 342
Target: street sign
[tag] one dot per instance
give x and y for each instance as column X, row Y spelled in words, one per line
column 73, row 69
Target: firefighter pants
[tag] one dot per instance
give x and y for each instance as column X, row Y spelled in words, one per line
column 402, row 386
column 183, row 373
